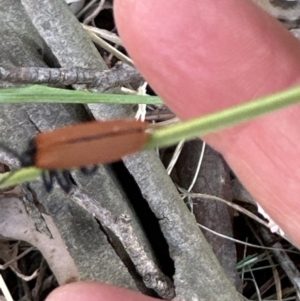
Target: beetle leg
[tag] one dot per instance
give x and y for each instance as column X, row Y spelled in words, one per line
column 88, row 170
column 64, row 180
column 48, row 179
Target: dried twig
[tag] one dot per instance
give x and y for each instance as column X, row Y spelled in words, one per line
column 95, row 13
column 284, row 260
column 8, row 263
column 37, row 290
column 111, row 49
column 120, row 75
column 86, row 8
column 104, row 34
column 5, row 290
column 121, row 227
column 232, row 205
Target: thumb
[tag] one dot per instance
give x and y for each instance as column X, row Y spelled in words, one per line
column 205, row 56
column 93, row 291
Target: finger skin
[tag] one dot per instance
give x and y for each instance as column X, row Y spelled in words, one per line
column 203, row 56
column 92, row 291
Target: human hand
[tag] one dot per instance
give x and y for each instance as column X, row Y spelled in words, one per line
column 93, row 291
column 205, row 56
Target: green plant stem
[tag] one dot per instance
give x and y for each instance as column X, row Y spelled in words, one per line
column 223, row 119
column 44, row 94
column 17, row 177
column 190, row 129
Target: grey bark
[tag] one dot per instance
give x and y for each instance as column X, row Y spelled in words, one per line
column 213, row 179
column 120, row 75
column 198, row 275
column 94, row 257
